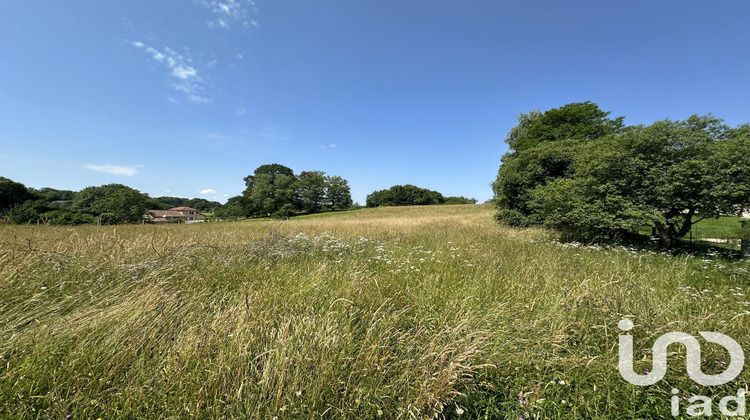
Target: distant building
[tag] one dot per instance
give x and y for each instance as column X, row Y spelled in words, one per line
column 180, row 214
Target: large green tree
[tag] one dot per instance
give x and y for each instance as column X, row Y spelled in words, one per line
column 274, row 190
column 404, row 195
column 126, row 204
column 668, row 175
column 338, row 195
column 542, row 149
column 13, row 193
column 235, row 207
column 271, row 191
column 311, row 190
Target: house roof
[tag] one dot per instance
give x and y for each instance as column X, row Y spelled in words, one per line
column 183, row 209
column 159, row 220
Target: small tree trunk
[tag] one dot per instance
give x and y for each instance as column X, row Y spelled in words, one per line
column 745, row 248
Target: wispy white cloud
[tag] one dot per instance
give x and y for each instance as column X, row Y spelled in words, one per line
column 241, row 111
column 240, row 56
column 185, row 75
column 113, row 169
column 327, row 146
column 228, row 13
column 208, row 191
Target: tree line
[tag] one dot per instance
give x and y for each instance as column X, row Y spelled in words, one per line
column 107, row 204
column 274, row 190
column 410, row 195
column 577, row 170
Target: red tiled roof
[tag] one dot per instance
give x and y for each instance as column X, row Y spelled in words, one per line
column 183, row 209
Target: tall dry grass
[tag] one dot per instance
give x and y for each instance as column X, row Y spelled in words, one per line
column 417, row 312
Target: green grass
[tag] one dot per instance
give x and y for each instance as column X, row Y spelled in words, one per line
column 708, row 230
column 722, row 228
column 398, row 313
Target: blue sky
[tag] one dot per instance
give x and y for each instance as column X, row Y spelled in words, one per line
column 186, row 97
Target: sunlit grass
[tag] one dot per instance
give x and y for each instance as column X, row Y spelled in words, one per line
column 408, row 312
column 722, row 228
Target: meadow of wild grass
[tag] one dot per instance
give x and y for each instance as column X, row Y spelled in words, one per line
column 394, row 313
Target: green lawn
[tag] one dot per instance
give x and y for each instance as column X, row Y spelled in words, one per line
column 722, row 228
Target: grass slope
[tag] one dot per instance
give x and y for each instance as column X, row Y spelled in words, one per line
column 412, row 312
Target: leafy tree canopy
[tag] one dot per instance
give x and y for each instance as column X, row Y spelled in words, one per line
column 542, row 149
column 576, row 121
column 126, row 204
column 460, row 200
column 667, row 175
column 164, row 203
column 12, row 193
column 404, row 195
column 274, row 190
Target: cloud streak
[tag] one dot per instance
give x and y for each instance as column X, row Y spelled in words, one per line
column 113, row 169
column 229, row 13
column 185, row 78
column 208, row 191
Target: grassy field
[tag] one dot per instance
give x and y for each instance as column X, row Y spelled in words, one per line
column 723, row 228
column 393, row 313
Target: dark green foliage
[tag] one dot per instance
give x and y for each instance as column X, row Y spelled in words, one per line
column 338, row 194
column 66, row 217
column 46, row 205
column 201, row 204
column 667, row 175
column 234, row 208
column 311, row 189
column 13, row 193
column 460, row 200
column 268, row 189
column 55, row 198
column 576, row 121
column 274, row 190
column 126, row 204
column 26, row 212
column 108, row 219
column 318, row 192
column 542, row 149
column 404, row 195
